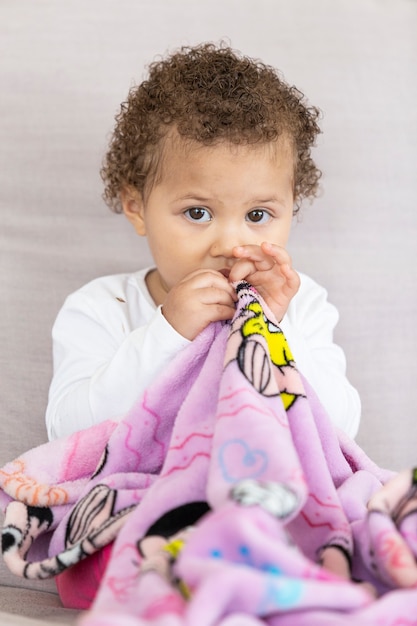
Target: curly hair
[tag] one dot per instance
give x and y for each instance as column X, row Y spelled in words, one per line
column 208, row 94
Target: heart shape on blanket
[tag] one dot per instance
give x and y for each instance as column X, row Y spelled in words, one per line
column 238, row 461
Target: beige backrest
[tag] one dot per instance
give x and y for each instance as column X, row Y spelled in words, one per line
column 63, row 72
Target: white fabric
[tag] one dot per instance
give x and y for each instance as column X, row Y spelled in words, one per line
column 110, row 341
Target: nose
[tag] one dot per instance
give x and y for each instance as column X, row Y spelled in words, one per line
column 226, row 236
column 221, row 248
column 223, row 244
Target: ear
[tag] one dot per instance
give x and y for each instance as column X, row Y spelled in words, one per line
column 133, row 208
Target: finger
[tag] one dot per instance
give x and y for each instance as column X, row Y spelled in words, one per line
column 222, row 312
column 215, row 312
column 241, row 270
column 245, row 268
column 206, row 279
column 252, row 252
column 214, row 295
column 292, row 278
column 251, row 259
column 388, row 497
column 264, row 257
column 264, row 251
column 278, row 253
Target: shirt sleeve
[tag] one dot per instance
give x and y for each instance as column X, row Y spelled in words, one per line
column 101, row 365
column 309, row 329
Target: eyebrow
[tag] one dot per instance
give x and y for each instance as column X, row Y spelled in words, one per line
column 251, row 201
column 265, row 200
column 190, row 196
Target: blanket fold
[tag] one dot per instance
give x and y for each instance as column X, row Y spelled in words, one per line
column 225, row 490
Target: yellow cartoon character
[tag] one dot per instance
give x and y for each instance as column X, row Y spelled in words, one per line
column 259, row 324
column 255, row 362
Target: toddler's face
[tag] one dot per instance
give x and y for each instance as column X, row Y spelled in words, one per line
column 210, row 199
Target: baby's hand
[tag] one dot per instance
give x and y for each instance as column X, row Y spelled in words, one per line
column 202, row 297
column 398, row 497
column 391, row 523
column 268, row 269
column 335, row 561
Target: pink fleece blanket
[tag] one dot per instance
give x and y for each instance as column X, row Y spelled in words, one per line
column 224, row 489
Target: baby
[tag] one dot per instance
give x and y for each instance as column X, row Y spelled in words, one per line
column 209, row 160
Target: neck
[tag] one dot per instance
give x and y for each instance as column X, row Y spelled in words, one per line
column 155, row 286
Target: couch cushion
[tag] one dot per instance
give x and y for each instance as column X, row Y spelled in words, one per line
column 42, row 607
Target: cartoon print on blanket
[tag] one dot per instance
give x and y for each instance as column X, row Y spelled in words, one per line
column 255, row 356
column 229, row 496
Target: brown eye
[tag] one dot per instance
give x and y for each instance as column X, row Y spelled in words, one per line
column 198, row 214
column 258, row 216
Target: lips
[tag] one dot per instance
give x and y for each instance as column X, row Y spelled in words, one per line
column 225, row 272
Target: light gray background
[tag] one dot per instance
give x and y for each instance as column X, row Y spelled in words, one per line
column 65, row 66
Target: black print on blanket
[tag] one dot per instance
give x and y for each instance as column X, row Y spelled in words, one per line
column 232, row 441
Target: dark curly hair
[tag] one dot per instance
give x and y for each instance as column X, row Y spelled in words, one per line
column 208, row 94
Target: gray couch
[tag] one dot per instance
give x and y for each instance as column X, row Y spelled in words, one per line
column 65, row 67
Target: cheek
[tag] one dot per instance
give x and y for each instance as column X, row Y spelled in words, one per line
column 284, row 232
column 278, row 237
column 173, row 259
column 160, row 241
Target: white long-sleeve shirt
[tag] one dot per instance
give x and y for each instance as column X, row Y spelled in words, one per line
column 110, row 341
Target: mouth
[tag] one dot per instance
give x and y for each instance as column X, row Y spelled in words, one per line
column 225, row 272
